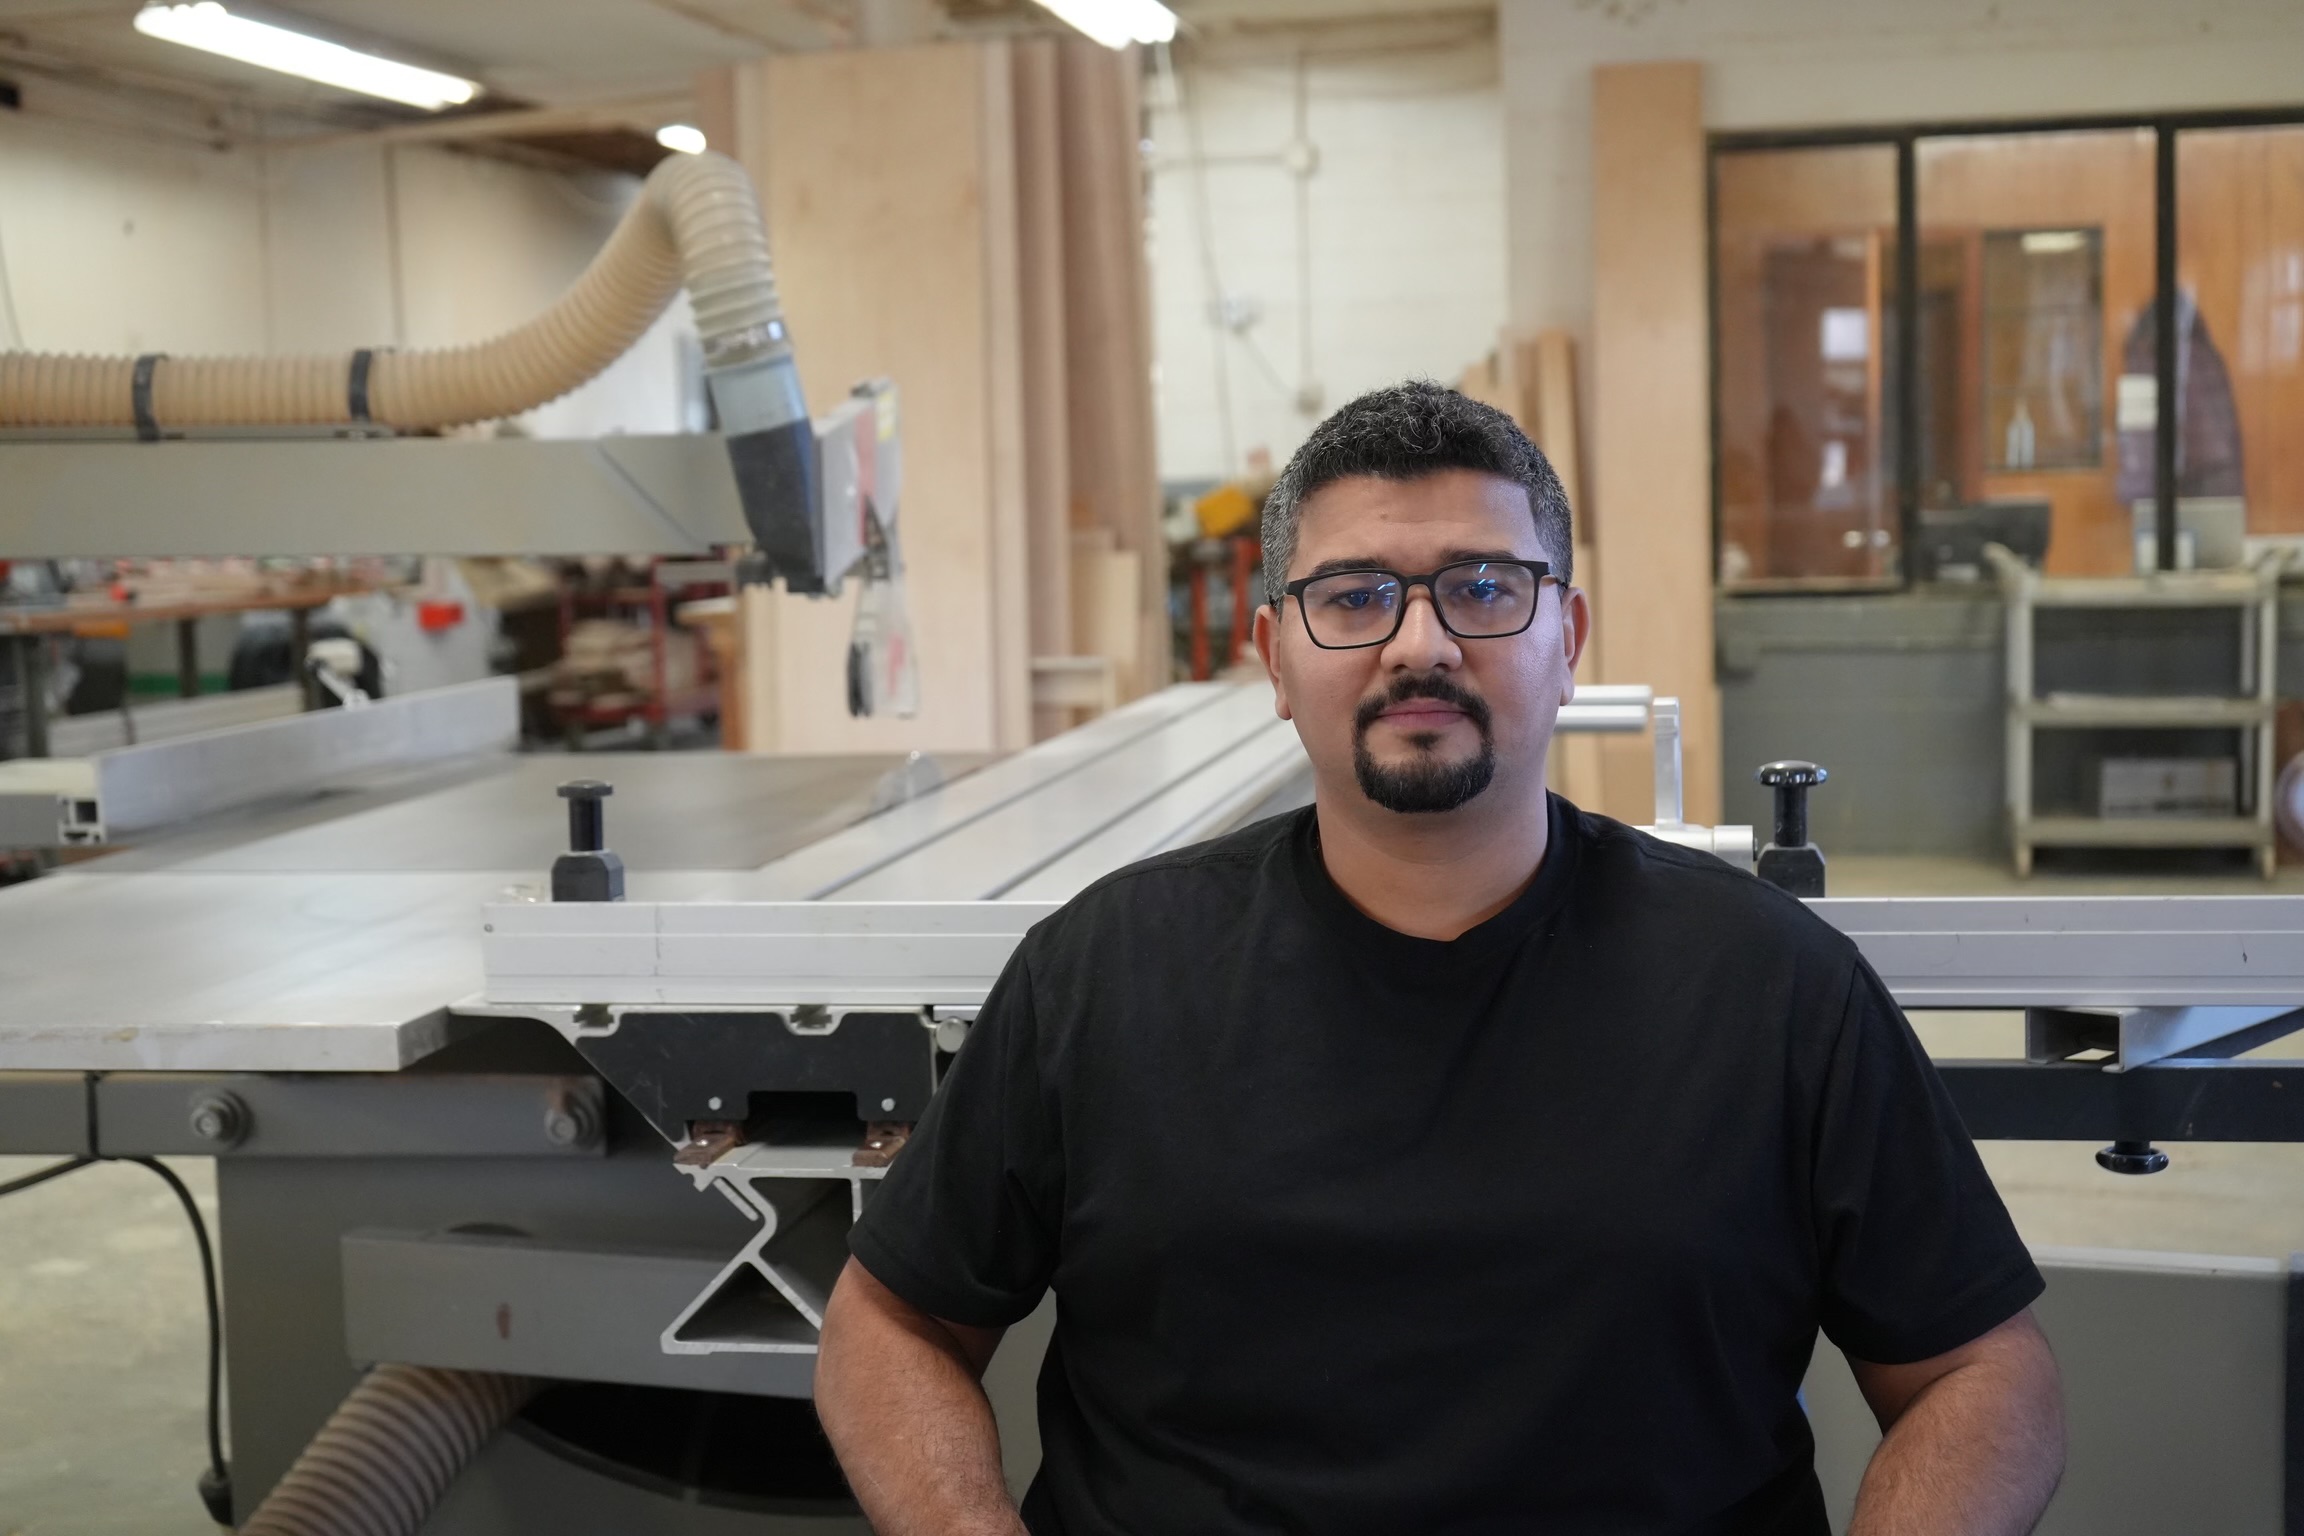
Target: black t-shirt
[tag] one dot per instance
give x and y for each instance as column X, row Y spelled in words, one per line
column 1357, row 1232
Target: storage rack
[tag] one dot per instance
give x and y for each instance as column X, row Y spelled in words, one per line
column 652, row 604
column 2255, row 593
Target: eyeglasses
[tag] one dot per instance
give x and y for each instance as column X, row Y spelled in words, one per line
column 1475, row 599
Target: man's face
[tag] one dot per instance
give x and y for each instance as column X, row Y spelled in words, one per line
column 1424, row 722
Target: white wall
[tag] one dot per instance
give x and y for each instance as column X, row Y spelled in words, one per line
column 122, row 243
column 1814, row 63
column 1405, row 226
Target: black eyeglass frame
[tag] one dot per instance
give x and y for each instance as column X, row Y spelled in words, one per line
column 1540, row 569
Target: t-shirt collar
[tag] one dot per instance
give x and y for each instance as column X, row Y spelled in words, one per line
column 1507, row 929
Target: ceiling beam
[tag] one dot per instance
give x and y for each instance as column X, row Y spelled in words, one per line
column 644, row 115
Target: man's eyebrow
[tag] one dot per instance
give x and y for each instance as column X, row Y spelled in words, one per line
column 1346, row 563
column 1372, row 563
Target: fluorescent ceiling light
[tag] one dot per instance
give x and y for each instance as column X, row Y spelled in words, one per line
column 1117, row 23
column 684, row 137
column 213, row 29
column 2054, row 242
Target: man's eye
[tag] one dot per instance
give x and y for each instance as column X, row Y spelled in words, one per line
column 1485, row 590
column 1352, row 598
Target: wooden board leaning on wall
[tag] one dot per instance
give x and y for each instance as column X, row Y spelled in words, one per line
column 1532, row 379
column 966, row 219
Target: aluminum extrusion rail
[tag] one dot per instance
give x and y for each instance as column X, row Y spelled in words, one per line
column 2112, row 952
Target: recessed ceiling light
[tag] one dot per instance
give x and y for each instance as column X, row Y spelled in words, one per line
column 1117, row 23
column 211, row 28
column 684, row 137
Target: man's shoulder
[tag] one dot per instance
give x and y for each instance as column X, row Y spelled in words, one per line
column 1239, row 857
column 1173, row 908
column 1636, row 879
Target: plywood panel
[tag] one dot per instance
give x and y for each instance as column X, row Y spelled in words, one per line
column 888, row 180
column 1547, row 369
column 1650, row 473
column 1009, row 525
column 1047, row 432
column 1108, row 347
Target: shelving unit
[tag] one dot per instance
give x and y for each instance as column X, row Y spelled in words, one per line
column 2254, row 594
column 651, row 607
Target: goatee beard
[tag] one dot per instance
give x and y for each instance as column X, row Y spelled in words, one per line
column 1425, row 784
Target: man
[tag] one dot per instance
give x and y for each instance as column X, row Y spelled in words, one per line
column 1440, row 1158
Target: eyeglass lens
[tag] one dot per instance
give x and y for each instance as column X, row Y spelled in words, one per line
column 1475, row 599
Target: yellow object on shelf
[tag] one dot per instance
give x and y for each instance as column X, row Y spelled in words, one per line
column 1226, row 510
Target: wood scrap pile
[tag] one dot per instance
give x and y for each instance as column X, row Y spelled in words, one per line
column 609, row 667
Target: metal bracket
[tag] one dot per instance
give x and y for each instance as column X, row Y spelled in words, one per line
column 402, row 1114
column 677, row 1068
column 770, row 1298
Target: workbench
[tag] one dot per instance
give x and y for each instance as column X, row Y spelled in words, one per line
column 25, row 628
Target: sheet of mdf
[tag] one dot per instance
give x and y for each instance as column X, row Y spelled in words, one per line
column 888, row 177
column 1108, row 350
column 1650, row 482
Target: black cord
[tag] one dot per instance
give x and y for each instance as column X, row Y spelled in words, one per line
column 43, row 1175
column 215, row 1311
column 216, row 1485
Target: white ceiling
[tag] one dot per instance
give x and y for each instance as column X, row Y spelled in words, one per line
column 547, row 52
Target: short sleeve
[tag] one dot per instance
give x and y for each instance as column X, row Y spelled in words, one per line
column 1918, row 1254
column 964, row 1223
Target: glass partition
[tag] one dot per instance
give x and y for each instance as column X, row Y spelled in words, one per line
column 2240, row 336
column 2037, row 347
column 1804, row 247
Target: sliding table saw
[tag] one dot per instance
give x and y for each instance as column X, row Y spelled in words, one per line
column 444, row 1109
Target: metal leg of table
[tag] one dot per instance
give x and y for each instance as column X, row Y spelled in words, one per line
column 300, row 653
column 32, row 692
column 188, row 658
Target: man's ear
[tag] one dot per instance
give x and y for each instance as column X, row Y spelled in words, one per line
column 1267, row 632
column 1575, row 635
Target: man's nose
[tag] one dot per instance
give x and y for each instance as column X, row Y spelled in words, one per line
column 1423, row 642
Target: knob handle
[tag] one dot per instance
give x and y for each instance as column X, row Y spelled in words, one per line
column 2132, row 1157
column 1791, row 779
column 587, row 871
column 1791, row 771
column 587, row 819
column 1790, row 862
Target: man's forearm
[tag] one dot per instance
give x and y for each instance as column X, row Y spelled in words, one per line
column 900, row 1400
column 1977, row 1453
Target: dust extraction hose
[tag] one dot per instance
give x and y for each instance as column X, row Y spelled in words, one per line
column 696, row 220
column 381, row 1463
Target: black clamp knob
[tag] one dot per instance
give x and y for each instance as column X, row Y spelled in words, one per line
column 1790, row 861
column 2132, row 1157
column 587, row 871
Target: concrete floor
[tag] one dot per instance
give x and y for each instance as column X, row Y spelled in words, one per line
column 103, row 1354
column 102, row 1340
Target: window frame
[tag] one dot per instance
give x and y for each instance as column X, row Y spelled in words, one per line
column 1904, row 427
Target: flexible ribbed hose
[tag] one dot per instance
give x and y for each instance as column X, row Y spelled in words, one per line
column 381, row 1463
column 697, row 220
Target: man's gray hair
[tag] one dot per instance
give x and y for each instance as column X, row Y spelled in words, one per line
column 1406, row 432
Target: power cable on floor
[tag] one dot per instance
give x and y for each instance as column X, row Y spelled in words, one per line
column 216, row 1482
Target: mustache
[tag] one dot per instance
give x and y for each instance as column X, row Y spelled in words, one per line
column 1422, row 685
